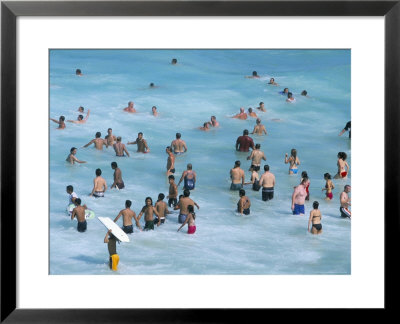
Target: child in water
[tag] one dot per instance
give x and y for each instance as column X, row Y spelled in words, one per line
column 190, row 221
column 329, row 186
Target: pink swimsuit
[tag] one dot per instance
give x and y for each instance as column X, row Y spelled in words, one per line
column 191, row 229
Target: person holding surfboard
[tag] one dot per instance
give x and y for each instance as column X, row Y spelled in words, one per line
column 118, row 182
column 111, row 241
column 127, row 215
column 79, row 213
column 148, row 210
column 142, row 146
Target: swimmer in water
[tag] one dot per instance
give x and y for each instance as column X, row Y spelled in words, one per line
column 178, row 145
column 261, row 107
column 142, row 146
column 183, row 204
column 252, row 113
column 99, row 185
column 190, row 221
column 237, row 177
column 343, row 167
column 329, row 186
column 72, row 158
column 98, row 142
column 298, row 198
column 127, row 215
column 345, row 202
column 244, row 142
column 290, row 97
column 214, row 122
column 130, row 107
column 120, row 148
column 174, row 61
column 315, row 219
column 60, row 122
column 162, row 210
column 170, row 161
column 110, row 138
column 253, row 76
column 80, row 119
column 78, row 72
column 254, row 179
column 81, row 109
column 118, row 182
column 71, row 195
column 304, row 93
column 305, row 175
column 241, row 114
column 148, row 210
column 272, row 82
column 256, row 156
column 189, row 177
column 243, row 205
column 293, row 161
column 79, row 213
column 154, row 111
column 267, row 182
column 205, row 127
column 173, row 192
column 153, row 86
column 259, row 128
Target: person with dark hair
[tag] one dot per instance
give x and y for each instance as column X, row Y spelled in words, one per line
column 284, row 92
column 346, row 128
column 315, row 219
column 78, row 72
column 98, row 142
column 127, row 215
column 148, row 210
column 214, row 122
column 305, row 175
column 162, row 210
column 174, row 61
column 293, row 161
column 272, row 82
column 267, row 182
column 190, row 221
column 262, row 107
column 304, row 93
column 111, row 241
column 244, row 142
column 241, row 115
column 254, row 75
column 237, row 177
column 243, row 205
column 99, row 185
column 256, row 156
column 259, row 128
column 118, row 182
column 130, row 107
column 80, row 119
column 152, row 85
column 60, row 122
column 252, row 113
column 188, row 177
column 345, row 202
column 290, row 97
column 142, row 146
column 154, row 111
column 173, row 192
column 170, row 161
column 183, row 204
column 110, row 138
column 343, row 167
column 120, row 148
column 178, row 145
column 72, row 158
column 329, row 186
column 205, row 127
column 79, row 213
column 72, row 195
column 254, row 179
column 81, row 109
column 299, row 197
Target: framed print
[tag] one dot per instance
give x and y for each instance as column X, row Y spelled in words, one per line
column 189, row 60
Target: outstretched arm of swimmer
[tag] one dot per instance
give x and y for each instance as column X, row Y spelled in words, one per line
column 129, row 143
column 55, row 120
column 87, row 116
column 286, row 158
column 342, row 132
column 76, row 160
column 198, row 207
column 91, row 142
column 119, row 215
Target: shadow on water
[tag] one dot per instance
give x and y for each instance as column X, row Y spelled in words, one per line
column 89, row 259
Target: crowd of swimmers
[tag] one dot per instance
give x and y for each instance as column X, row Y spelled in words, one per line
column 156, row 214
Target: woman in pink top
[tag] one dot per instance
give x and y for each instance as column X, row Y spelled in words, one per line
column 190, row 221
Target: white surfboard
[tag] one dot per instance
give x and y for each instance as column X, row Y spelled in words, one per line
column 89, row 214
column 116, row 230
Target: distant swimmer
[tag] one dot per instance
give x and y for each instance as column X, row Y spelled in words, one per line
column 243, row 205
column 153, row 86
column 110, row 138
column 120, row 148
column 259, row 128
column 241, row 115
column 205, row 127
column 111, row 241
column 256, row 156
column 305, row 175
column 345, row 202
column 72, row 158
column 154, row 111
column 127, row 215
column 173, row 192
column 190, row 220
column 174, row 61
column 290, row 97
column 98, row 142
column 343, row 167
column 148, row 210
column 130, row 107
column 99, row 185
column 329, row 186
column 298, row 198
column 142, row 146
column 60, row 122
column 72, row 196
column 315, row 220
column 252, row 113
column 178, row 145
column 272, row 82
column 214, row 122
column 170, row 161
column 284, row 92
column 261, row 107
column 79, row 213
column 346, row 128
column 78, row 72
column 254, row 179
column 237, row 177
column 80, row 119
column 162, row 210
column 118, row 182
column 293, row 161
column 183, row 204
column 267, row 182
column 244, row 142
column 81, row 109
column 189, row 178
column 304, row 93
column 253, row 76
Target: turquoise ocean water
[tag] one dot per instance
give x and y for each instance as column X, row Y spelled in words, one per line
column 205, row 82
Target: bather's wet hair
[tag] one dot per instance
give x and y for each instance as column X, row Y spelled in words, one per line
column 70, row 188
column 98, row 172
column 171, row 177
column 128, row 203
column 254, row 73
column 186, row 193
column 242, row 192
column 315, row 204
column 245, row 132
column 161, row 196
column 72, row 149
column 150, row 200
column 98, row 135
column 342, row 155
column 266, row 167
column 78, row 201
column 114, row 164
column 327, row 176
column 178, row 135
column 62, row 118
column 304, row 93
column 237, row 163
column 258, row 146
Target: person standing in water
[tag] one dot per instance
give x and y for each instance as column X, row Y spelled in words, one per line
column 254, row 179
column 183, row 204
column 214, row 122
column 142, row 146
column 148, row 210
column 293, row 161
column 299, row 197
column 99, row 185
column 241, row 114
column 71, row 195
column 127, row 215
column 79, row 213
column 189, row 177
column 345, row 202
column 252, row 113
column 110, row 138
column 305, row 175
column 315, row 219
column 178, row 145
column 72, row 158
column 154, row 111
column 130, row 107
column 118, row 182
column 173, row 192
column 329, row 186
column 244, row 142
column 60, row 122
column 267, row 182
column 346, row 128
column 190, row 221
column 259, row 128
column 170, row 161
column 120, row 148
column 162, row 210
column 98, row 142
column 343, row 167
column 237, row 177
column 111, row 241
column 256, row 156
column 243, row 205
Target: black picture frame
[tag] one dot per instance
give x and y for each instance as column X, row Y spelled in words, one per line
column 10, row 10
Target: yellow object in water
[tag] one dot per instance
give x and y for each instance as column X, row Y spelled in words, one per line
column 114, row 262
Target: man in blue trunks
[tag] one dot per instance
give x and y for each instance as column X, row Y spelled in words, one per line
column 237, row 177
column 299, row 197
column 189, row 178
column 183, row 204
